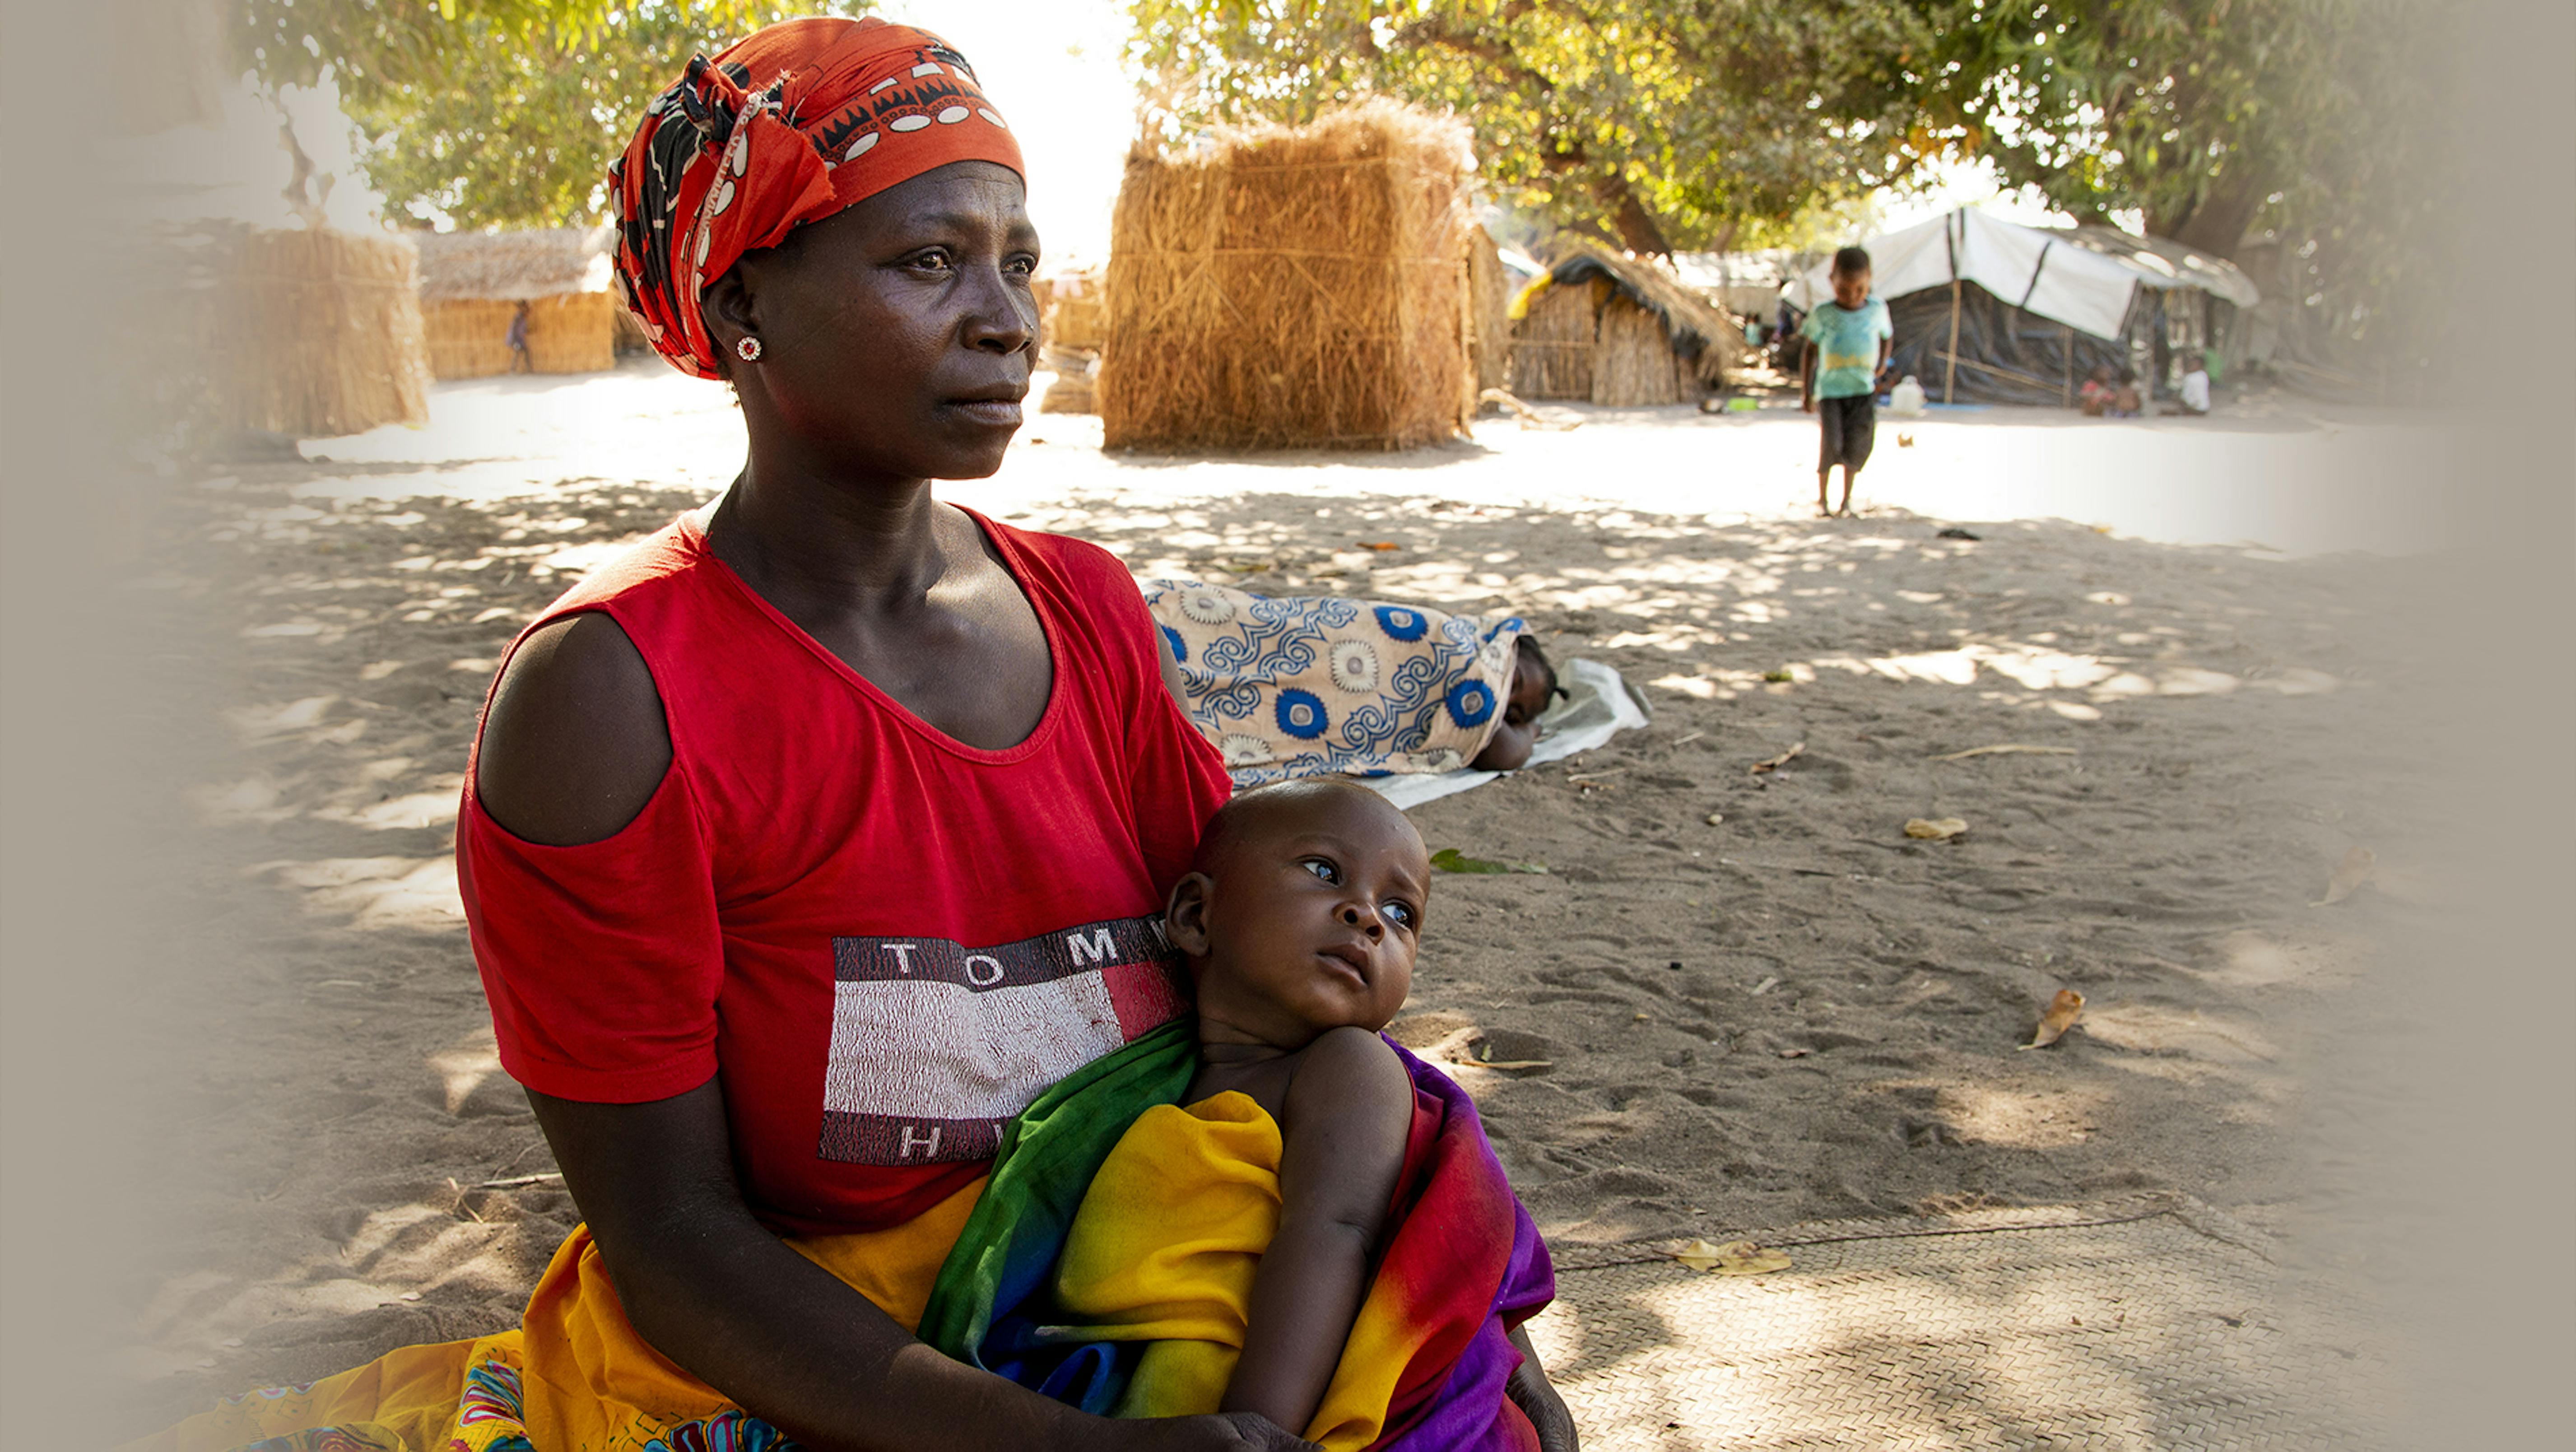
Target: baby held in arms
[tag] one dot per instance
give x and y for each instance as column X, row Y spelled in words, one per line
column 1318, row 1232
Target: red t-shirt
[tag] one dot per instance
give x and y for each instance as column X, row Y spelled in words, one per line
column 886, row 941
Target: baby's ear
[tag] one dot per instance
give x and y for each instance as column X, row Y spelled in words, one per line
column 1185, row 915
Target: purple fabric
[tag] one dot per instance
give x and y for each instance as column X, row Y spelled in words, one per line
column 1471, row 1409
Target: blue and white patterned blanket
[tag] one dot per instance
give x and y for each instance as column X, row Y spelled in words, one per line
column 1312, row 685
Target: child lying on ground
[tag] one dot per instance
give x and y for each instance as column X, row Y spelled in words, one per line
column 1319, row 685
column 1255, row 1232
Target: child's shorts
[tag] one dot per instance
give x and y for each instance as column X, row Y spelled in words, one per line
column 1850, row 427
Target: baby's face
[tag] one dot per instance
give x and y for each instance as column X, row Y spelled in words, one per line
column 1310, row 920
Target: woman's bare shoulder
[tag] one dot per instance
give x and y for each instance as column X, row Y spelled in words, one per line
column 575, row 743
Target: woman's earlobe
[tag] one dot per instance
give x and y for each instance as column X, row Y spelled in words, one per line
column 1185, row 914
column 729, row 312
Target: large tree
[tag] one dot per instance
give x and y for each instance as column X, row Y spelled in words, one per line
column 495, row 112
column 2308, row 125
column 2304, row 125
column 1659, row 124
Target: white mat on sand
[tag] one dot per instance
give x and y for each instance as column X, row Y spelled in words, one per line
column 1598, row 705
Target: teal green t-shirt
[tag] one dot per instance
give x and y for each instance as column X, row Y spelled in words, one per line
column 1847, row 346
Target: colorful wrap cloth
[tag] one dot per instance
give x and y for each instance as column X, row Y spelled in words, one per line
column 1297, row 686
column 572, row 1374
column 976, row 1276
column 1130, row 1297
column 785, row 127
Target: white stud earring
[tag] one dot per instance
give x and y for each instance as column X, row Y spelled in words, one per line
column 748, row 350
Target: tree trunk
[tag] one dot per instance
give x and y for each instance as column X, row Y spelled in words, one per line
column 2218, row 223
column 1638, row 229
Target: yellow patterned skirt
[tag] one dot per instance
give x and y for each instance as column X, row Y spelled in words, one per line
column 572, row 1374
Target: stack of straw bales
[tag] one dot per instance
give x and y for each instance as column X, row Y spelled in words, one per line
column 1076, row 321
column 1286, row 288
column 304, row 333
column 471, row 284
column 1617, row 330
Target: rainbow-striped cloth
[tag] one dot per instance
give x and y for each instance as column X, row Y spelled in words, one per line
column 1166, row 1209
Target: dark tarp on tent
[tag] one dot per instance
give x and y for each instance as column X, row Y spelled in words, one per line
column 2006, row 355
column 2038, row 309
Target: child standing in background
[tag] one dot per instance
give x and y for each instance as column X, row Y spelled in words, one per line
column 1852, row 337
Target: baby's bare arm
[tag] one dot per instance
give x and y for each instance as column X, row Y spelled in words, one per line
column 1348, row 1112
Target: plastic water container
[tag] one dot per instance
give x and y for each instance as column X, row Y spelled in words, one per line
column 1906, row 398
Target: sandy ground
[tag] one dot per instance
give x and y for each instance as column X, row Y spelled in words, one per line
column 1756, row 999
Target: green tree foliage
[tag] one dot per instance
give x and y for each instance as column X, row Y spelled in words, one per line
column 1659, row 124
column 495, row 112
column 2305, row 124
column 2302, row 125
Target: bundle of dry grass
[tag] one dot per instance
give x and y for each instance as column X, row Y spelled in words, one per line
column 1076, row 310
column 568, row 332
column 1489, row 299
column 1633, row 362
column 1552, row 339
column 471, row 284
column 1074, row 315
column 630, row 336
column 1076, row 388
column 1287, row 288
column 1617, row 330
column 306, row 333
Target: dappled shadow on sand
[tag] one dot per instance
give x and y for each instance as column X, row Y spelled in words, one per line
column 1760, row 1000
column 2101, row 1326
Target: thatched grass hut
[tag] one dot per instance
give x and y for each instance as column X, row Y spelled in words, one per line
column 305, row 333
column 1617, row 330
column 1489, row 301
column 471, row 284
column 1285, row 288
column 1074, row 321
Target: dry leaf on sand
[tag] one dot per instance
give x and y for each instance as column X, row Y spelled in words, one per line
column 2061, row 1016
column 1468, row 1048
column 1777, row 762
column 1380, row 545
column 1937, row 829
column 1450, row 859
column 2010, row 748
column 2358, row 865
column 1734, row 1258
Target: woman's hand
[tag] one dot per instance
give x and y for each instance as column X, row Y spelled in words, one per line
column 1225, row 1432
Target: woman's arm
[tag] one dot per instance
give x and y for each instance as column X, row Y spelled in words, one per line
column 708, row 1286
column 1531, row 1391
column 573, row 749
column 711, row 1288
column 1348, row 1113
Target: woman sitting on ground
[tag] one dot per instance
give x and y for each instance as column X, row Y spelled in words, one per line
column 1320, row 685
column 815, row 837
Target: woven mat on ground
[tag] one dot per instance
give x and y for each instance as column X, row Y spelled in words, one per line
column 2152, row 1322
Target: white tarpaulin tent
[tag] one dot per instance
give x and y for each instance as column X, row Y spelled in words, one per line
column 2075, row 277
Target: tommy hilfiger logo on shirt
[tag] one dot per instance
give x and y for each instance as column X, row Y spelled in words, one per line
column 936, row 1045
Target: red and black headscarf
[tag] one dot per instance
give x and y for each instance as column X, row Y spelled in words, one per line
column 783, row 128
